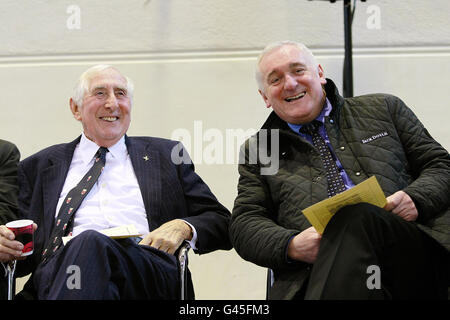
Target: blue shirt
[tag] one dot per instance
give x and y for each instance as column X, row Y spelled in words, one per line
column 323, row 132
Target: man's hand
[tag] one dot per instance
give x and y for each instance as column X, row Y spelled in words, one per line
column 10, row 249
column 401, row 204
column 305, row 246
column 169, row 236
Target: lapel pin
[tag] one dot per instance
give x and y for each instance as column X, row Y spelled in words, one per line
column 146, row 158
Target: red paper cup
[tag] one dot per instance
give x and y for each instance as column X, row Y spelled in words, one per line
column 23, row 231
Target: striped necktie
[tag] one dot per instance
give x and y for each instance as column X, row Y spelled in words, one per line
column 335, row 182
column 72, row 203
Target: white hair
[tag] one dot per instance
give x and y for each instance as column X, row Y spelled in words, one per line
column 84, row 82
column 275, row 45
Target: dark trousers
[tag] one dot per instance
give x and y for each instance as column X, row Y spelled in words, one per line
column 3, row 284
column 93, row 266
column 363, row 244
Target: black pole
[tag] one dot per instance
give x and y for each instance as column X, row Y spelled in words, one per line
column 348, row 64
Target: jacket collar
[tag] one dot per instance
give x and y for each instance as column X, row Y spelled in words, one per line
column 53, row 178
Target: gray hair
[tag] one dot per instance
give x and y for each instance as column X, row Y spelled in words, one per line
column 84, row 82
column 275, row 45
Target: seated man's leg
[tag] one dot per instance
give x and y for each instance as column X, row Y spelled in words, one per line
column 93, row 266
column 363, row 240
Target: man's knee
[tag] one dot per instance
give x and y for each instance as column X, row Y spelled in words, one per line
column 369, row 221
column 361, row 214
column 89, row 235
column 88, row 239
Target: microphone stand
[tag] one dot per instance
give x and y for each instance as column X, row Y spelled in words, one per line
column 348, row 56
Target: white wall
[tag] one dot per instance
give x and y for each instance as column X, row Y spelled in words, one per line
column 193, row 60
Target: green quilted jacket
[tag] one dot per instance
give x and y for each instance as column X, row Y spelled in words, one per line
column 371, row 135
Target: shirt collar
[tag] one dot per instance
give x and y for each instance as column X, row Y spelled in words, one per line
column 88, row 148
column 326, row 110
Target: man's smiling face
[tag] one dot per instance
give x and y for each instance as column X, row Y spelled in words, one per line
column 292, row 84
column 106, row 108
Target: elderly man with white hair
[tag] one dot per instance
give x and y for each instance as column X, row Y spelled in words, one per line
column 106, row 179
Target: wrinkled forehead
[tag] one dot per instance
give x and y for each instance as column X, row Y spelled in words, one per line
column 285, row 56
column 108, row 78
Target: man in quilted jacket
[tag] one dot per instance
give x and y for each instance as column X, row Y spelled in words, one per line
column 400, row 251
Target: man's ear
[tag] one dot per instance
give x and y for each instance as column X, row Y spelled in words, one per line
column 266, row 100
column 75, row 109
column 323, row 80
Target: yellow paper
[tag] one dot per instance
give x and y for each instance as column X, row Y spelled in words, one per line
column 367, row 191
column 121, row 232
column 127, row 231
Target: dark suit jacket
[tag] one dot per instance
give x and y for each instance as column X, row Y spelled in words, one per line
column 169, row 191
column 9, row 159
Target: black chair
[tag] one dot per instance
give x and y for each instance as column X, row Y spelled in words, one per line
column 183, row 263
column 270, row 280
column 7, row 285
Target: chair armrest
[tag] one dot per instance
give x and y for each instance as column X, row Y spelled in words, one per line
column 183, row 262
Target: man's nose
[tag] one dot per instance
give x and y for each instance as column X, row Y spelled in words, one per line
column 111, row 102
column 290, row 82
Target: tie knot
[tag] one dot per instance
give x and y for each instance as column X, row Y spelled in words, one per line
column 310, row 128
column 103, row 150
column 101, row 153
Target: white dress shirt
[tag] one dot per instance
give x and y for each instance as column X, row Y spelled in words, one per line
column 115, row 199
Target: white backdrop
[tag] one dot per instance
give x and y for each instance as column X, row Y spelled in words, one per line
column 192, row 62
